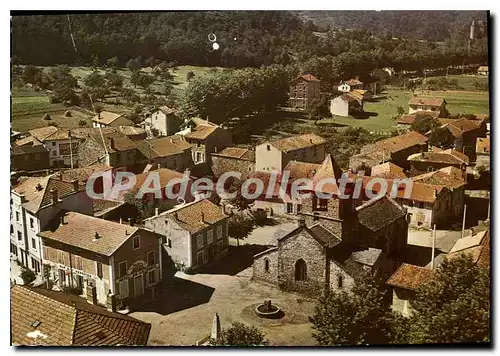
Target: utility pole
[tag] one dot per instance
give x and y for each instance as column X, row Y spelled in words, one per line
column 433, row 233
column 70, row 149
column 463, row 222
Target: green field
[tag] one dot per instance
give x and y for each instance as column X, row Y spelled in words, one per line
column 380, row 113
column 466, row 81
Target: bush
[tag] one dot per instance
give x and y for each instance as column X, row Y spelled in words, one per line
column 82, row 123
column 55, row 124
column 47, row 117
column 27, row 276
column 68, row 113
column 54, row 100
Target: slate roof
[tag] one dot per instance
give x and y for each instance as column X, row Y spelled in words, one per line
column 68, row 320
column 132, row 130
column 299, row 169
column 297, row 142
column 197, row 215
column 321, row 234
column 410, row 276
column 107, row 118
column 26, row 149
column 167, row 111
column 36, row 191
column 367, row 257
column 82, row 174
column 42, row 133
column 202, row 130
column 309, row 78
column 433, row 102
column 448, row 156
column 115, row 141
column 462, row 124
column 353, row 81
column 80, row 230
column 379, row 212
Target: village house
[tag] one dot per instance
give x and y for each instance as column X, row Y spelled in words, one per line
column 466, row 132
column 350, row 85
column 112, row 148
column 233, row 159
column 29, row 158
column 483, row 153
column 304, row 90
column 404, row 283
column 100, row 257
column 274, row 155
column 33, row 203
column 346, row 104
column 426, row 204
column 107, row 119
column 418, row 103
column 162, row 121
column 388, row 170
column 172, row 152
column 483, row 70
column 206, row 138
column 83, row 174
column 41, row 317
column 405, row 121
column 394, row 149
column 133, row 133
column 194, row 234
column 432, row 161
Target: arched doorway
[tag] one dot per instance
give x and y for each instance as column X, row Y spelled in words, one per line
column 300, row 270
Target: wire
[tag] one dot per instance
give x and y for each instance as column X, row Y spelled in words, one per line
column 100, row 130
column 71, row 35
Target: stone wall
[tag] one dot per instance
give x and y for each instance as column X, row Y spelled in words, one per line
column 302, row 246
column 337, row 273
column 329, row 218
column 259, row 267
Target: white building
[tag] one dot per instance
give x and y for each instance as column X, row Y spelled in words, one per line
column 34, row 202
column 164, row 120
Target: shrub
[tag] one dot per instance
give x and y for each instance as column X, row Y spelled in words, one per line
column 82, row 123
column 54, row 100
column 47, row 117
column 68, row 113
column 55, row 124
column 27, row 276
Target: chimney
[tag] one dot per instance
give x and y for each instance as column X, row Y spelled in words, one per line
column 302, row 222
column 59, row 175
column 159, row 165
column 121, row 221
column 96, row 236
column 75, row 184
column 92, row 294
column 202, row 217
column 156, row 211
column 112, row 143
column 111, row 302
column 130, row 222
column 215, row 149
column 53, row 194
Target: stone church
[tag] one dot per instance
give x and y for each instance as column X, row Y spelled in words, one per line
column 334, row 244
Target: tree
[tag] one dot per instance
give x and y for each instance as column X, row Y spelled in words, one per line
column 424, row 124
column 357, row 318
column 96, row 85
column 400, row 111
column 30, row 73
column 112, row 62
column 189, row 76
column 64, row 85
column 114, row 80
column 454, row 306
column 95, row 61
column 27, row 276
column 442, row 137
column 240, row 226
column 240, row 334
column 133, row 65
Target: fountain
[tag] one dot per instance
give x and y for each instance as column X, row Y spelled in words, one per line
column 268, row 310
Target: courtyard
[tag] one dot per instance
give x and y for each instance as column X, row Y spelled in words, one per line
column 183, row 312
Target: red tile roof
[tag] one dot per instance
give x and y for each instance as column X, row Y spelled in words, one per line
column 419, row 191
column 397, row 143
column 410, row 277
column 433, row 102
column 68, row 320
column 448, row 156
column 297, row 142
column 310, row 78
column 196, row 216
column 388, row 170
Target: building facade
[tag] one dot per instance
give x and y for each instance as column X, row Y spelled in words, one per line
column 303, row 91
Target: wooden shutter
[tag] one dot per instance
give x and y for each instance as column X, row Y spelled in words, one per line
column 124, row 288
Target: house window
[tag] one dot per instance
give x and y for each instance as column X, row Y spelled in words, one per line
column 151, row 277
column 289, row 208
column 269, row 147
column 136, row 242
column 60, row 257
column 198, row 157
column 17, row 216
column 122, row 269
column 430, row 169
column 340, row 281
column 219, row 232
column 19, row 235
column 99, row 269
column 266, row 265
column 79, row 263
column 123, row 287
column 33, row 244
column 199, row 258
column 151, row 258
column 53, row 144
column 32, row 223
column 300, row 270
column 210, row 236
column 199, row 241
column 11, row 228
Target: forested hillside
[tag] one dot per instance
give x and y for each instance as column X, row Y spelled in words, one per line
column 254, row 38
